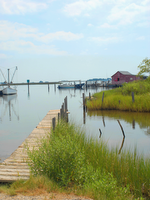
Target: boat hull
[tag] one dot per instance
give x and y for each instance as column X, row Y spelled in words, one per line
column 65, row 86
column 9, row 91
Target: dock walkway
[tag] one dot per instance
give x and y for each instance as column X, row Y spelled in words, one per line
column 15, row 167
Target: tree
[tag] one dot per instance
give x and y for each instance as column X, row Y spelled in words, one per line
column 144, row 67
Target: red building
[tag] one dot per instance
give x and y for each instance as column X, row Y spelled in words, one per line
column 121, row 77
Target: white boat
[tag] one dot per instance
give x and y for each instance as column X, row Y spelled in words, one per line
column 70, row 85
column 9, row 91
column 66, row 86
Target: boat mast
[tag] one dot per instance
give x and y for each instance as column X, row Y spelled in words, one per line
column 3, row 76
column 8, row 77
column 14, row 74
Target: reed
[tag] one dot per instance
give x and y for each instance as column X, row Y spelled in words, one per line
column 72, row 160
column 121, row 98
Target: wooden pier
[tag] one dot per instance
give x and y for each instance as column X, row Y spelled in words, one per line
column 16, row 167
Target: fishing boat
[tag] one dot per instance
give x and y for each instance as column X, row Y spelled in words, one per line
column 8, row 90
column 70, row 85
column 66, row 86
column 79, row 86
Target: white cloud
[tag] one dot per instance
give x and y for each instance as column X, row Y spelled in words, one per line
column 106, row 25
column 90, row 25
column 3, row 56
column 22, row 38
column 78, row 7
column 20, row 6
column 127, row 13
column 140, row 38
column 101, row 40
column 12, row 31
column 28, row 47
column 60, row 35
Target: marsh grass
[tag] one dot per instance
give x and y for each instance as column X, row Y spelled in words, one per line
column 71, row 160
column 34, row 186
column 121, row 98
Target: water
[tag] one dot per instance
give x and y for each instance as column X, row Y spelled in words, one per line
column 21, row 113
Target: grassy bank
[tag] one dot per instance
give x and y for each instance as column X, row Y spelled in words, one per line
column 121, row 98
column 88, row 167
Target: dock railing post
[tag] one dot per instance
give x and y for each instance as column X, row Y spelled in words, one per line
column 54, row 122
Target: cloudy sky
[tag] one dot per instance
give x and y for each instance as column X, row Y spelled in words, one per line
column 51, row 40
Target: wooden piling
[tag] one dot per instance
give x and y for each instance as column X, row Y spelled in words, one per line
column 53, row 123
column 103, row 97
column 132, row 97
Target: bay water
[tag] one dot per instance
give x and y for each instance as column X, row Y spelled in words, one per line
column 21, row 113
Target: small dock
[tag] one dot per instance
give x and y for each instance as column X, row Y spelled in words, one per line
column 16, row 167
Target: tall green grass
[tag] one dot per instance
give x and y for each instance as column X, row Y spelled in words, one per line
column 121, row 98
column 71, row 159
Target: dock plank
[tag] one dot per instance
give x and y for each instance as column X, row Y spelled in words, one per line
column 16, row 167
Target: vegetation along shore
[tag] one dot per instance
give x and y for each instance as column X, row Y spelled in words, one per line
column 69, row 162
column 133, row 96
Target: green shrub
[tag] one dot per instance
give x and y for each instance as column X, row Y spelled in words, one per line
column 71, row 159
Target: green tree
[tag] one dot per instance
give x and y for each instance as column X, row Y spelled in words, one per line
column 144, row 67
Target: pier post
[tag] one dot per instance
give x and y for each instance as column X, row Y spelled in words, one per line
column 132, row 97
column 54, row 123
column 83, row 100
column 103, row 97
column 84, row 108
column 89, row 95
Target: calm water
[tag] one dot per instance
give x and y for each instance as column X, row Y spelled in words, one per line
column 21, row 113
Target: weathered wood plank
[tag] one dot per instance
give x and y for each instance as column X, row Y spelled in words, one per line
column 16, row 167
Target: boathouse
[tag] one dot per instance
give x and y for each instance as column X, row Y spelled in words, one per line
column 121, row 77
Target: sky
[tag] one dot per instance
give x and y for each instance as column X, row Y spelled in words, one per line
column 53, row 40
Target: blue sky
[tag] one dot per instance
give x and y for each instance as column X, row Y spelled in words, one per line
column 54, row 40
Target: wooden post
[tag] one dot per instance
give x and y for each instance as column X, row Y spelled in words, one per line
column 132, row 97
column 54, row 122
column 103, row 121
column 28, row 90
column 89, row 95
column 103, row 97
column 121, row 129
column 121, row 145
column 83, row 100
column 63, row 111
column 133, row 124
column 65, row 101
column 100, row 133
column 58, row 117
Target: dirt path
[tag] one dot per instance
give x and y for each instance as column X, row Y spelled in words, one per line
column 46, row 196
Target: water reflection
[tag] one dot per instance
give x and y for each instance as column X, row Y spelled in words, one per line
column 7, row 104
column 142, row 119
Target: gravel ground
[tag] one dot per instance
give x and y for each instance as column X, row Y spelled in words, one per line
column 42, row 197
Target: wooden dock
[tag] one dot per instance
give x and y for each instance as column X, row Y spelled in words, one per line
column 15, row 167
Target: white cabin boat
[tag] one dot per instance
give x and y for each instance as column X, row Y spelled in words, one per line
column 66, row 86
column 9, row 91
